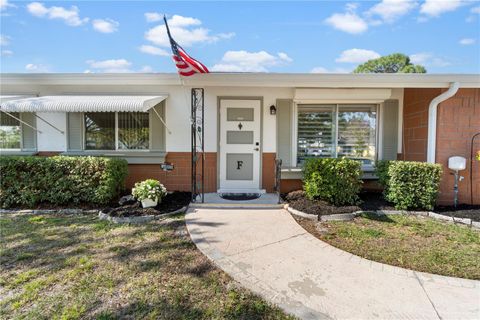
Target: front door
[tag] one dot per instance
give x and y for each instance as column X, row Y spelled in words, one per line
column 239, row 146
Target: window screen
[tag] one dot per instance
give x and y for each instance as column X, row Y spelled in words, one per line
column 316, row 132
column 100, row 131
column 10, row 131
column 133, row 130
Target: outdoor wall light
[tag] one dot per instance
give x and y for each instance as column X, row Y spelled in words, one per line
column 273, row 110
column 456, row 164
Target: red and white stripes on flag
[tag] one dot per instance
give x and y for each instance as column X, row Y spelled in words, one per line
column 186, row 65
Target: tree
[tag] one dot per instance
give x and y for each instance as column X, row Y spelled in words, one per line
column 393, row 63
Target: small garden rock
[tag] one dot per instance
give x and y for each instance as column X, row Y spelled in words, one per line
column 128, row 199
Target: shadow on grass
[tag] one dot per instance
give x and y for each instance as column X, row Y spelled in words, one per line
column 376, row 217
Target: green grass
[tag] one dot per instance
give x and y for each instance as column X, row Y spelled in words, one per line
column 416, row 243
column 75, row 266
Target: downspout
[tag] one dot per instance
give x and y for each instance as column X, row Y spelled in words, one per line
column 432, row 119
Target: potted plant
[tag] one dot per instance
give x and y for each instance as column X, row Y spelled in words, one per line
column 150, row 192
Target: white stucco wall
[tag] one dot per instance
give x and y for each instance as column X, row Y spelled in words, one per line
column 177, row 112
column 51, row 139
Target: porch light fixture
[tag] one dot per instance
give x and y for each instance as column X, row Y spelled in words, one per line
column 273, row 110
column 456, row 164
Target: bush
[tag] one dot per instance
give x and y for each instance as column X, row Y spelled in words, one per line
column 381, row 170
column 336, row 181
column 28, row 181
column 413, row 185
column 149, row 189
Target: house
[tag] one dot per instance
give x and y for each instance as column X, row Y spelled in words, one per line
column 250, row 120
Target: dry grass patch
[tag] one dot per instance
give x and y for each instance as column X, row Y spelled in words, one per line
column 76, row 266
column 411, row 242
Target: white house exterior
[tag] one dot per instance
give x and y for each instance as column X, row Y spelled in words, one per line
column 250, row 120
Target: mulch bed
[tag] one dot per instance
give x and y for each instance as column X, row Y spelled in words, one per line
column 171, row 202
column 462, row 211
column 370, row 201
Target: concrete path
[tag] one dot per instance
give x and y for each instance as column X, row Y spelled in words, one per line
column 270, row 254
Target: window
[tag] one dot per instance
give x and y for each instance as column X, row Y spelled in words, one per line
column 337, row 131
column 10, row 131
column 133, row 131
column 113, row 131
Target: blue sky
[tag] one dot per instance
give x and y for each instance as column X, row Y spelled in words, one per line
column 315, row 36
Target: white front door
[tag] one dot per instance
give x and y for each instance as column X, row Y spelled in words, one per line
column 239, row 146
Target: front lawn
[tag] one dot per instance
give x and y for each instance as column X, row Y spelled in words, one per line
column 411, row 242
column 76, row 266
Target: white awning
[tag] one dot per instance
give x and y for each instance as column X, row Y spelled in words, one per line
column 12, row 97
column 82, row 104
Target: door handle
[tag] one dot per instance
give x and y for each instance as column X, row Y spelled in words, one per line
column 256, row 149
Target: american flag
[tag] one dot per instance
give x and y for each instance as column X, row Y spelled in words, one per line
column 185, row 64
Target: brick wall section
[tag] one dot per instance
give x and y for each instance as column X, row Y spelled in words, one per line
column 458, row 119
column 179, row 178
column 47, row 153
column 288, row 185
column 415, row 122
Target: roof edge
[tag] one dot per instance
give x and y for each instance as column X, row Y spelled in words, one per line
column 296, row 80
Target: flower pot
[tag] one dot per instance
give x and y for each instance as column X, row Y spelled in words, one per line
column 148, row 203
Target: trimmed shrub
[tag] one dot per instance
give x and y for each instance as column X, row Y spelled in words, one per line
column 336, row 181
column 28, row 181
column 381, row 170
column 413, row 185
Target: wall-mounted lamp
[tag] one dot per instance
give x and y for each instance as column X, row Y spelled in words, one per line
column 273, row 110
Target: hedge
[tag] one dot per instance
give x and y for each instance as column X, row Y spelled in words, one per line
column 336, row 181
column 28, row 181
column 410, row 184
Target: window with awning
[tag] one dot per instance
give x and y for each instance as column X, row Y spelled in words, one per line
column 94, row 123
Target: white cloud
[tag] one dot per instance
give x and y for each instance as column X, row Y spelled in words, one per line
column 69, row 16
column 325, row 70
column 466, row 41
column 154, row 50
column 7, row 53
column 357, row 56
column 31, row 67
column 428, row 59
column 185, row 30
column 349, row 21
column 105, row 25
column 110, row 66
column 475, row 10
column 153, row 16
column 391, row 10
column 4, row 4
column 284, row 57
column 180, row 21
column 319, row 70
column 4, row 40
column 146, row 69
column 434, row 8
column 244, row 61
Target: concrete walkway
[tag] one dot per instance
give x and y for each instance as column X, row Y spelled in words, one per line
column 270, row 254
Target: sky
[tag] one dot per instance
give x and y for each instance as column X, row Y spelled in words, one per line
column 268, row 36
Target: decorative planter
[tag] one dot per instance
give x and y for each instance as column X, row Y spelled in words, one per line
column 148, row 203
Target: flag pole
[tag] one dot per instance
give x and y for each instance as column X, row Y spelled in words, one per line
column 188, row 66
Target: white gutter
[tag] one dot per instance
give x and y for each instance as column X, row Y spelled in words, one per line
column 432, row 119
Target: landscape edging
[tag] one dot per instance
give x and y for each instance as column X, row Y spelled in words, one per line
column 49, row 211
column 139, row 219
column 350, row 216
